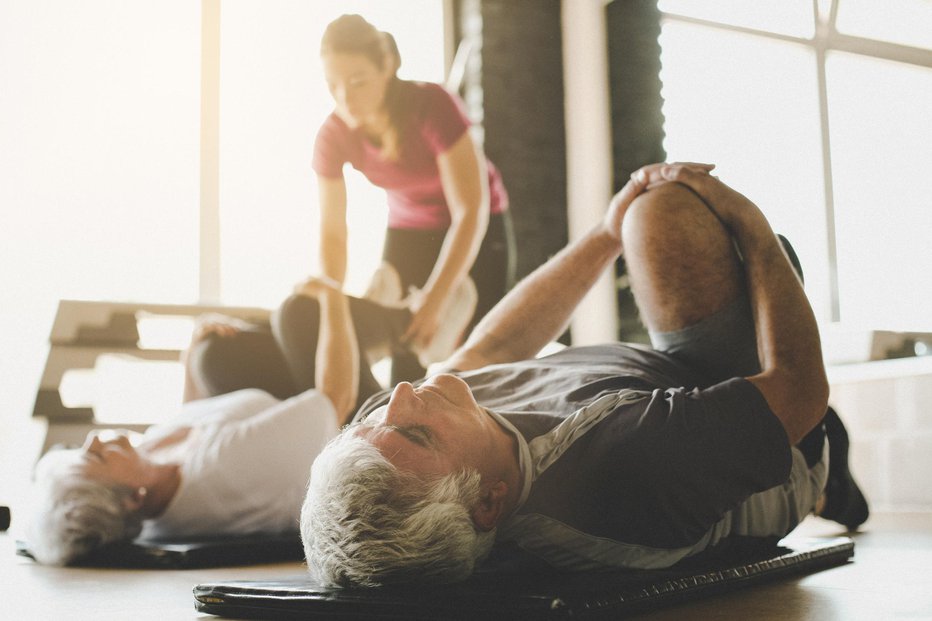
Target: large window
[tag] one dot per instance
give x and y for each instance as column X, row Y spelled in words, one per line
column 819, row 111
column 98, row 166
column 273, row 98
column 100, row 159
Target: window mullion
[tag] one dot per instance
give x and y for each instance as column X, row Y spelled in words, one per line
column 675, row 17
column 830, row 242
column 881, row 49
column 209, row 216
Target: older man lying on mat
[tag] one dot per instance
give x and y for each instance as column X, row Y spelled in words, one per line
column 604, row 456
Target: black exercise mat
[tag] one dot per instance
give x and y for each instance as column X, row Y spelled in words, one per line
column 497, row 595
column 191, row 554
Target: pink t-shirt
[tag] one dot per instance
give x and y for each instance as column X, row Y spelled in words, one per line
column 412, row 184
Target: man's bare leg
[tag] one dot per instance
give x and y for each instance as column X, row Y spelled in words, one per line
column 681, row 261
column 684, row 269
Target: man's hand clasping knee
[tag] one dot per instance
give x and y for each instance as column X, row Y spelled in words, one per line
column 642, row 180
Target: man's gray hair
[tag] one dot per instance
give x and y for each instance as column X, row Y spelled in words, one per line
column 72, row 514
column 366, row 522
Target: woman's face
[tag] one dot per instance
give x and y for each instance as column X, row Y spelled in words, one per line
column 357, row 85
column 114, row 462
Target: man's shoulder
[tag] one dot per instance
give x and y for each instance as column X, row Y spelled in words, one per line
column 371, row 404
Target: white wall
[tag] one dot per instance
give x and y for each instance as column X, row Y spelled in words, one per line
column 588, row 153
column 886, row 407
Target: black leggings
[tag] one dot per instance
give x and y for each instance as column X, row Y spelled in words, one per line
column 413, row 253
column 280, row 358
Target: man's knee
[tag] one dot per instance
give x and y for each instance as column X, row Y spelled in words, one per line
column 212, row 362
column 297, row 306
column 669, row 210
column 296, row 315
column 680, row 259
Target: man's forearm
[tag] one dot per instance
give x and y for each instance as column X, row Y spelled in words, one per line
column 792, row 377
column 538, row 309
column 788, row 340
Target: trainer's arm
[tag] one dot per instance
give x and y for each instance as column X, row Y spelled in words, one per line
column 792, row 378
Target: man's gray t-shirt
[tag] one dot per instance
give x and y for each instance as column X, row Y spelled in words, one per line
column 636, row 460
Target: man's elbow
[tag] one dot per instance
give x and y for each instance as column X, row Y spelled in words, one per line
column 798, row 400
column 812, row 402
column 820, row 397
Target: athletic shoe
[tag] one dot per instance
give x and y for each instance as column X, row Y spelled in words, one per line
column 385, row 286
column 791, row 255
column 844, row 502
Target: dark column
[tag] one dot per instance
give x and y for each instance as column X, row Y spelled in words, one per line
column 519, row 89
column 633, row 27
column 514, row 89
column 634, row 76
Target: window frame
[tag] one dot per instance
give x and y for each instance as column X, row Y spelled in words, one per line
column 826, row 38
column 210, row 262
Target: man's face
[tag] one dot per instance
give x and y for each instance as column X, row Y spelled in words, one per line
column 434, row 429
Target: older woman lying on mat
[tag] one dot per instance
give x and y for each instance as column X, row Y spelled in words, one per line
column 230, row 464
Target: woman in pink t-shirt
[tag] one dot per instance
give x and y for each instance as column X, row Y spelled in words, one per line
column 447, row 206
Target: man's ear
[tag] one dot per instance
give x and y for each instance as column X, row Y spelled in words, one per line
column 489, row 511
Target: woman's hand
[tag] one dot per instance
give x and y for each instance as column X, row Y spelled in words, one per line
column 315, row 286
column 426, row 311
column 215, row 323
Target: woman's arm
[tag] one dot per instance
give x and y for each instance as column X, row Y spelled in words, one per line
column 337, row 357
column 466, row 188
column 331, row 193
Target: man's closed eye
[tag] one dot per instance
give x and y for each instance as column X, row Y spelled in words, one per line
column 419, row 434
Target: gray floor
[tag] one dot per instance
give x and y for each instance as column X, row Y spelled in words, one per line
column 890, row 578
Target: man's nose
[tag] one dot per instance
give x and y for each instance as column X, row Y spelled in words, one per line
column 402, row 404
column 92, row 443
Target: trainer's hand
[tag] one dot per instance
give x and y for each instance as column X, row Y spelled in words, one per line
column 641, row 180
column 426, row 314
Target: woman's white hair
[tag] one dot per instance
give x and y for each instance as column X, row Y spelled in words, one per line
column 367, row 523
column 72, row 514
